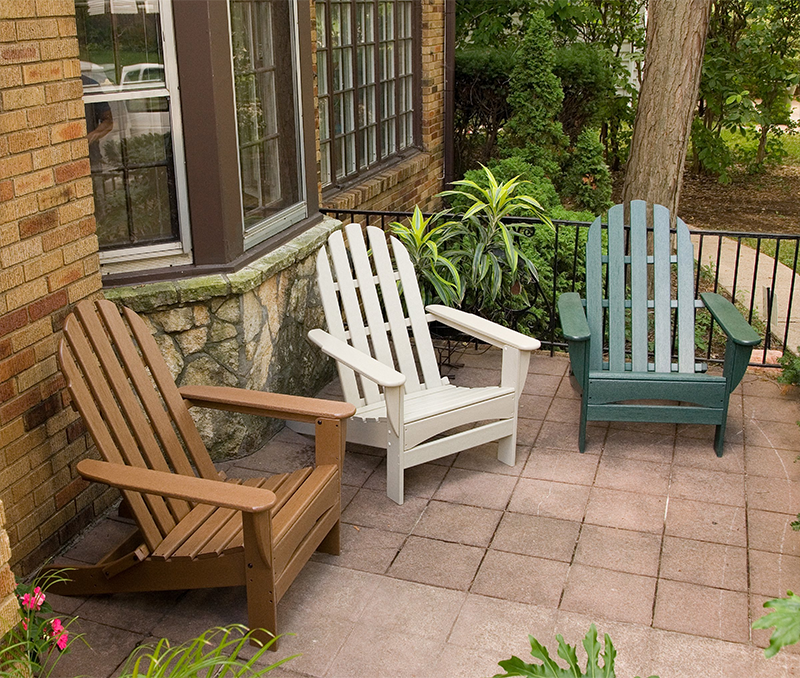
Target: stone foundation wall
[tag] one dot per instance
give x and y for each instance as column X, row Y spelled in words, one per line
column 246, row 329
column 9, row 606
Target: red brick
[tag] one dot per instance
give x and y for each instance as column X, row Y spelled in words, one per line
column 5, row 349
column 75, row 430
column 19, row 405
column 66, row 275
column 6, row 190
column 38, row 223
column 42, row 307
column 40, row 413
column 73, row 170
column 68, row 130
column 7, row 390
column 13, row 321
column 16, row 55
column 70, row 492
column 15, row 364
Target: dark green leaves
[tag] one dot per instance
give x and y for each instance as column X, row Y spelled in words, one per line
column 785, row 617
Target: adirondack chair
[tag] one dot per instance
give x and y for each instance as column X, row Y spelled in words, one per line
column 639, row 362
column 379, row 337
column 196, row 528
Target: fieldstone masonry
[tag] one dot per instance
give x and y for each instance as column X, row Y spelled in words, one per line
column 247, row 329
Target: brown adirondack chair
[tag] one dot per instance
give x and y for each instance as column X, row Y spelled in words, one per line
column 197, row 528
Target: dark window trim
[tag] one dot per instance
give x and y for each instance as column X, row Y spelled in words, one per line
column 203, row 46
column 349, row 180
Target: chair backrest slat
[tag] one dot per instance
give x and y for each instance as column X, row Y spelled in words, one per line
column 86, row 405
column 641, row 332
column 594, row 292
column 638, row 276
column 616, row 289
column 396, row 317
column 686, row 305
column 416, row 314
column 178, row 411
column 333, row 316
column 662, row 287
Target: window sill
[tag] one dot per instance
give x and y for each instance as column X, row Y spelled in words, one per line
column 152, row 295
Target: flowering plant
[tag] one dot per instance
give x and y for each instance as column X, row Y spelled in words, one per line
column 34, row 646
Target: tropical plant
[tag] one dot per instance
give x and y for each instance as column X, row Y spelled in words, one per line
column 426, row 242
column 214, row 653
column 785, row 617
column 490, row 259
column 549, row 668
column 33, row 647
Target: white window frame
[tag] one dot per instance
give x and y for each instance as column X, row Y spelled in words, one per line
column 272, row 225
column 159, row 255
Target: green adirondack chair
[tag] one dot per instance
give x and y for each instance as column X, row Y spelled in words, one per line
column 650, row 352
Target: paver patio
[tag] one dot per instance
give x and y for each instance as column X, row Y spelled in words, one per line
column 668, row 549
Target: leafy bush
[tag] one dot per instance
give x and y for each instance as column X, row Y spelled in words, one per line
column 549, row 668
column 589, row 74
column 586, row 175
column 481, row 103
column 535, row 99
column 426, row 241
column 790, row 364
column 490, row 260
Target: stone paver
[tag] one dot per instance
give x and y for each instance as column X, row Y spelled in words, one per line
column 649, row 535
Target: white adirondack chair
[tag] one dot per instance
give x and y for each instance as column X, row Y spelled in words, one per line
column 378, row 335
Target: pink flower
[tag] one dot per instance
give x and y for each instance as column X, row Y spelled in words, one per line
column 25, row 624
column 33, row 601
column 59, row 634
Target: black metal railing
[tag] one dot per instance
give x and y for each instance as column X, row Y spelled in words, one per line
column 759, row 271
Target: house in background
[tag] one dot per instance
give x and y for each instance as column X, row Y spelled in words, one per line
column 175, row 156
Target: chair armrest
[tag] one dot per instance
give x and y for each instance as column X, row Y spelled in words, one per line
column 482, row 329
column 278, row 405
column 188, row 488
column 573, row 317
column 730, row 320
column 356, row 360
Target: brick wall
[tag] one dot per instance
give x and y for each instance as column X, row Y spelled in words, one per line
column 48, row 261
column 416, row 180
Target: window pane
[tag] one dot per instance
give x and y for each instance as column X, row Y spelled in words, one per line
column 133, row 173
column 263, row 66
column 119, row 44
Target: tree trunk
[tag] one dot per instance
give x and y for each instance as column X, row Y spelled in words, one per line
column 673, row 62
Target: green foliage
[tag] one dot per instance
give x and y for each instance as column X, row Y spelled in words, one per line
column 426, row 242
column 589, row 75
column 482, row 108
column 586, row 175
column 535, row 99
column 513, row 167
column 750, row 62
column 785, row 617
column 33, row 647
column 490, row 259
column 549, row 667
column 214, row 653
column 790, row 368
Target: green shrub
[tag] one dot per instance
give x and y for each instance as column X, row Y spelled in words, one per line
column 589, row 74
column 535, row 99
column 586, row 175
column 790, row 364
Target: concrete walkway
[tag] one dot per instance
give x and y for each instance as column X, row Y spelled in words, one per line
column 668, row 549
column 786, row 283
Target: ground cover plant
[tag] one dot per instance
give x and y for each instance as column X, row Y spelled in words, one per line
column 550, row 668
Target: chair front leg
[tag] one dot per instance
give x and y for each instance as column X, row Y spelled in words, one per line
column 513, row 374
column 395, row 443
column 262, row 604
